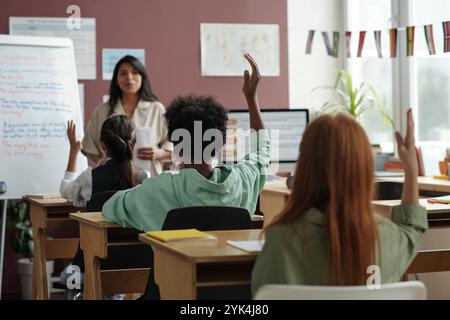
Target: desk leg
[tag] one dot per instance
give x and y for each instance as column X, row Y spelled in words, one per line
column 176, row 277
column 93, row 242
column 38, row 223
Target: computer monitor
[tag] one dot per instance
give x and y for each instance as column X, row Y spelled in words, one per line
column 286, row 127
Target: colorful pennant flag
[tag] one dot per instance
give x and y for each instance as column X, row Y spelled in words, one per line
column 348, row 38
column 336, row 36
column 326, row 40
column 393, row 40
column 446, row 26
column 332, row 51
column 410, row 41
column 429, row 37
column 310, row 41
column 362, row 36
column 377, row 35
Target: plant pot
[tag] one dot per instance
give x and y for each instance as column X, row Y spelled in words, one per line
column 25, row 270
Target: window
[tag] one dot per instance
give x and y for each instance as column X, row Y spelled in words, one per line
column 371, row 15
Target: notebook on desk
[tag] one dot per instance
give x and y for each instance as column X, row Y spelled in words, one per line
column 180, row 235
column 45, row 195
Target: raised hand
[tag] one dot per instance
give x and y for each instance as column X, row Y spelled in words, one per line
column 75, row 145
column 406, row 146
column 251, row 81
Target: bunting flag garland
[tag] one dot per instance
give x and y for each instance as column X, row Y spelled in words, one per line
column 348, row 38
column 326, row 40
column 377, row 35
column 332, row 45
column 429, row 37
column 393, row 40
column 362, row 36
column 336, row 36
column 446, row 26
column 410, row 41
column 309, row 42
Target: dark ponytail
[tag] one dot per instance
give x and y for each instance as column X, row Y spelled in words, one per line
column 116, row 134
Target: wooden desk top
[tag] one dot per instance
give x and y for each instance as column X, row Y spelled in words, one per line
column 425, row 183
column 94, row 219
column 209, row 250
column 430, row 207
column 277, row 186
column 51, row 202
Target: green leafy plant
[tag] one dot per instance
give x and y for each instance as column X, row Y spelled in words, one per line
column 18, row 213
column 353, row 100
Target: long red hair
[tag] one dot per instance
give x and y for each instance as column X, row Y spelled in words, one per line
column 335, row 174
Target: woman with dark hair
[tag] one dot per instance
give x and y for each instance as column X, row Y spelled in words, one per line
column 130, row 94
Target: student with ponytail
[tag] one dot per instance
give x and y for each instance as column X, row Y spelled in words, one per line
column 115, row 173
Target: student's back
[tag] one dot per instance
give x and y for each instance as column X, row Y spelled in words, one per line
column 114, row 173
column 328, row 234
column 198, row 183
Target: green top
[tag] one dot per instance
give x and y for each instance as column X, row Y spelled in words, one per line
column 145, row 206
column 297, row 253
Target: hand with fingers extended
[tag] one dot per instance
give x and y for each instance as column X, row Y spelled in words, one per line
column 251, row 81
column 75, row 145
column 406, row 146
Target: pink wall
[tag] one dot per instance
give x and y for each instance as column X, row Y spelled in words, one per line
column 169, row 31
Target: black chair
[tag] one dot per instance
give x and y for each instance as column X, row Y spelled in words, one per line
column 205, row 219
column 388, row 190
column 208, row 218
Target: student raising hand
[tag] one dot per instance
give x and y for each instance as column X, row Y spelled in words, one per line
column 406, row 147
column 407, row 153
column 251, row 81
column 75, row 145
column 249, row 89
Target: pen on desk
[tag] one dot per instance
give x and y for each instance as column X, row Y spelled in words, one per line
column 431, row 201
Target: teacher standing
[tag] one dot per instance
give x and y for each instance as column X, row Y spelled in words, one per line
column 130, row 94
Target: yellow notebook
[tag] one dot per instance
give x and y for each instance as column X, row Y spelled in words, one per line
column 180, row 235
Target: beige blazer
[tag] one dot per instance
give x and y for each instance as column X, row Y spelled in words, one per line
column 147, row 114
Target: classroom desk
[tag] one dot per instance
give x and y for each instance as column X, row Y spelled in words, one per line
column 438, row 217
column 94, row 241
column 183, row 267
column 43, row 211
column 275, row 194
column 425, row 183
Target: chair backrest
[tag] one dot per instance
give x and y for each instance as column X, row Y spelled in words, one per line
column 98, row 199
column 389, row 190
column 208, row 218
column 407, row 290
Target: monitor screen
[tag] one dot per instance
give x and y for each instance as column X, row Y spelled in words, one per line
column 286, row 127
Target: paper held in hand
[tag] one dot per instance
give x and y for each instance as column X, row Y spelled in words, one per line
column 180, row 235
column 143, row 140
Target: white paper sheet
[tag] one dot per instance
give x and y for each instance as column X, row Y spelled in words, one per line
column 84, row 42
column 223, row 46
column 143, row 140
column 247, row 245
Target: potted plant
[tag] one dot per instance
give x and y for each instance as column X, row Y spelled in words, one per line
column 18, row 213
column 353, row 100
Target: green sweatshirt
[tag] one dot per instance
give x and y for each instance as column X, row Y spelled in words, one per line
column 145, row 206
column 296, row 253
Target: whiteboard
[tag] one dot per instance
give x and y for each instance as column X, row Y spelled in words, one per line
column 38, row 95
